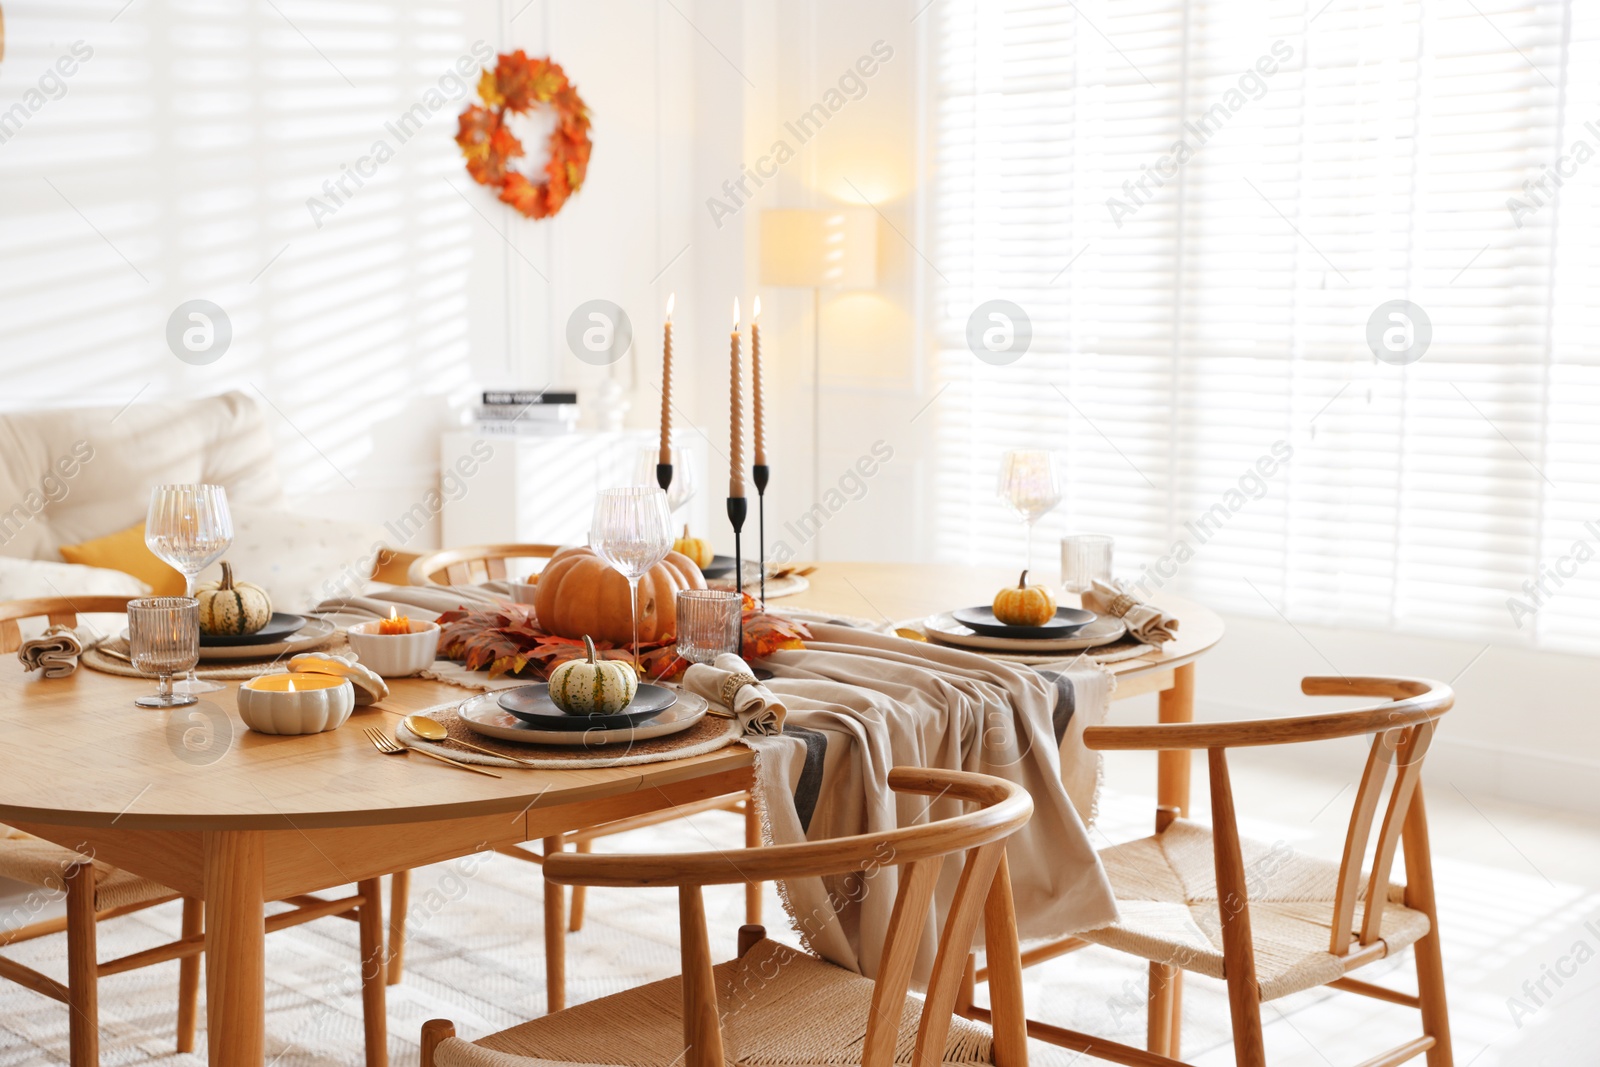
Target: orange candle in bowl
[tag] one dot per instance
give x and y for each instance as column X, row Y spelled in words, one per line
column 396, row 623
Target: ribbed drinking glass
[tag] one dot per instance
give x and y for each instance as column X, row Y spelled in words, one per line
column 164, row 639
column 708, row 623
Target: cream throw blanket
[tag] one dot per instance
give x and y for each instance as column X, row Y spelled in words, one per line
column 860, row 703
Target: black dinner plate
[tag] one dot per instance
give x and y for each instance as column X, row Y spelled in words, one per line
column 532, row 704
column 719, row 567
column 981, row 620
column 280, row 627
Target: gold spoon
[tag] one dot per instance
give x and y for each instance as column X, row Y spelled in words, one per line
column 434, row 730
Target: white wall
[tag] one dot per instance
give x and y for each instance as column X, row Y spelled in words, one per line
column 177, row 162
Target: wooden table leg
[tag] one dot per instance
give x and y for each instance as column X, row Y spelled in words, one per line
column 399, row 904
column 236, row 934
column 555, row 937
column 374, row 972
column 1172, row 792
column 83, row 998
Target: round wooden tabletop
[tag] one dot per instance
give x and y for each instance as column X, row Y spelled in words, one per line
column 79, row 753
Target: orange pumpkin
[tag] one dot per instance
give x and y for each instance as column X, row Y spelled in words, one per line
column 579, row 593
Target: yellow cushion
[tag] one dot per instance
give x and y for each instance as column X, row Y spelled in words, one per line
column 126, row 551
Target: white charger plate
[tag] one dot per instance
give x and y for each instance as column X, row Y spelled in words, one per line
column 945, row 630
column 484, row 715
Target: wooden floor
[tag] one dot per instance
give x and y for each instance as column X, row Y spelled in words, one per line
column 1505, row 873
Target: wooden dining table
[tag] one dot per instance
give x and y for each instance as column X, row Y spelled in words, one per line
column 194, row 800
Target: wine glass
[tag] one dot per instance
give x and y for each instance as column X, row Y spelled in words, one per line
column 1030, row 483
column 681, row 491
column 189, row 527
column 164, row 638
column 632, row 530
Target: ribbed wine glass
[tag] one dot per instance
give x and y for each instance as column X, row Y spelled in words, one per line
column 1030, row 483
column 190, row 528
column 164, row 638
column 632, row 530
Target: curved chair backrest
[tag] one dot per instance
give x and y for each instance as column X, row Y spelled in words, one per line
column 919, row 853
column 60, row 611
column 1401, row 729
column 472, row 564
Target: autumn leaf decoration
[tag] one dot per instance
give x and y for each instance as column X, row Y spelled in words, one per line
column 517, row 85
column 507, row 640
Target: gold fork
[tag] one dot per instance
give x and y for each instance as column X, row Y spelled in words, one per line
column 390, row 747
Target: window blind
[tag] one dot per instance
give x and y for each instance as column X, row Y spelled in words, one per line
column 1202, row 208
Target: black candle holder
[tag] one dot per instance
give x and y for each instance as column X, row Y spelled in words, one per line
column 664, row 476
column 738, row 511
column 759, row 474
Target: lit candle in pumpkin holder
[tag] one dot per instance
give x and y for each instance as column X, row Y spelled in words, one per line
column 397, row 646
column 299, row 703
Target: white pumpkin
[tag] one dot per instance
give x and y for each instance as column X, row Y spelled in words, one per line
column 593, row 686
column 230, row 607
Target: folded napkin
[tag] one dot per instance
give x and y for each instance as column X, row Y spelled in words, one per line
column 1149, row 624
column 728, row 682
column 56, row 651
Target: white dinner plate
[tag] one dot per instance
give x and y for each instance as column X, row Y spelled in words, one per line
column 484, row 715
column 945, row 630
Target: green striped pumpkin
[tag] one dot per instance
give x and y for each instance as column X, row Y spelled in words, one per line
column 593, row 686
column 229, row 607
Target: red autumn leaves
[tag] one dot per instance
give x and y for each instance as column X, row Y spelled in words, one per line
column 517, row 85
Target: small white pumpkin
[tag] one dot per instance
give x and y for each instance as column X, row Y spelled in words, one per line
column 230, row 607
column 593, row 686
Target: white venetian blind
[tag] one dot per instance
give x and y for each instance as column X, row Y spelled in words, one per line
column 1198, row 205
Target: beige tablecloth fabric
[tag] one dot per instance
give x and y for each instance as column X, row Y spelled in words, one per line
column 860, row 703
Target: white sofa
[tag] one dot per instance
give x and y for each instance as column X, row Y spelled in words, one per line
column 74, row 474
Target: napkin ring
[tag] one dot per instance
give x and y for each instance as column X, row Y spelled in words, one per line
column 731, row 686
column 1122, row 603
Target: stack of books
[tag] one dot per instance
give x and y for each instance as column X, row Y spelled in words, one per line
column 526, row 411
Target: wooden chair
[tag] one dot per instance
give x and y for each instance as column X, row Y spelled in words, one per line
column 96, row 891
column 473, row 564
column 785, row 1006
column 482, row 563
column 1266, row 919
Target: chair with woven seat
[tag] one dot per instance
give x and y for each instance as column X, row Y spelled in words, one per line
column 1265, row 919
column 96, row 891
column 774, row 1005
column 476, row 564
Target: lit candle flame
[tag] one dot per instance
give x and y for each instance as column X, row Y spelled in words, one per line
column 671, row 300
column 756, row 314
column 291, row 688
column 394, row 614
column 735, row 313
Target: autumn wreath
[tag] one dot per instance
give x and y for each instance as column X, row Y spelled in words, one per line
column 516, row 86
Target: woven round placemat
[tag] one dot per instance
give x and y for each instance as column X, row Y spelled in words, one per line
column 707, row 735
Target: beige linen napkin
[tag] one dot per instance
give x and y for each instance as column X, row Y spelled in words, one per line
column 728, row 682
column 56, row 651
column 1149, row 624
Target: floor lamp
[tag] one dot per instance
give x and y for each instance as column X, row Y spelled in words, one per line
column 816, row 249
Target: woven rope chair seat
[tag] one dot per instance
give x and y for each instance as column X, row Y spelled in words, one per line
column 1166, row 889
column 37, row 862
column 779, row 1007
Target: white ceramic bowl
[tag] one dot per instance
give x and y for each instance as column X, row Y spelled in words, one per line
column 301, row 711
column 395, row 655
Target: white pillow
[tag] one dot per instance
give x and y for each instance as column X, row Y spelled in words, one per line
column 25, row 579
column 299, row 560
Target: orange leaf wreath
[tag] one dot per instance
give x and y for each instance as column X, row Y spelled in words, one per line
column 507, row 640
column 517, row 85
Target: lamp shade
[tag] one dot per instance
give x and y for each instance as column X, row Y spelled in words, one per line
column 813, row 249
